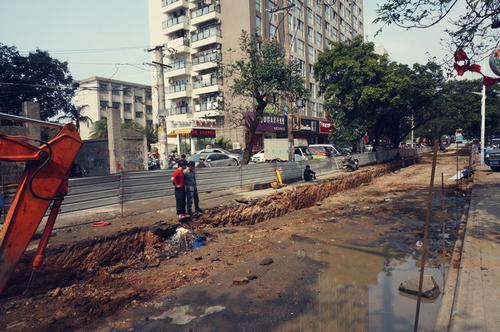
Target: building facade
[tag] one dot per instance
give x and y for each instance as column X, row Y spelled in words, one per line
column 98, row 94
column 200, row 34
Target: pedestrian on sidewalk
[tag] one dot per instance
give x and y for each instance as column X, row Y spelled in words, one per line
column 179, row 183
column 309, row 174
column 191, row 189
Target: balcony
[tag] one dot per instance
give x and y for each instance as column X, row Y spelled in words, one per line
column 179, row 68
column 179, row 110
column 178, row 91
column 206, row 37
column 171, row 5
column 205, row 61
column 175, row 24
column 205, row 14
column 181, row 45
column 213, row 84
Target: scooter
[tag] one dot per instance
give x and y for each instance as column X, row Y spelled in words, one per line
column 350, row 164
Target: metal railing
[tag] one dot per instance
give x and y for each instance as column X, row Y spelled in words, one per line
column 206, row 33
column 93, row 192
column 165, row 3
column 204, row 83
column 205, row 10
column 206, row 57
column 173, row 21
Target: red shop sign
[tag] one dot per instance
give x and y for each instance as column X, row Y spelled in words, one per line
column 325, row 127
column 203, row 133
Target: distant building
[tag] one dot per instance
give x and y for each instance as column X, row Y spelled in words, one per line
column 380, row 50
column 198, row 34
column 98, row 93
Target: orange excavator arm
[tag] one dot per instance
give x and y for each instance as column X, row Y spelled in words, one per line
column 44, row 183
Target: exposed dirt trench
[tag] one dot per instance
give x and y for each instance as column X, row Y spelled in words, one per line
column 146, row 246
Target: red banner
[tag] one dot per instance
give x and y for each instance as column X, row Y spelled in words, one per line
column 203, row 133
column 325, row 127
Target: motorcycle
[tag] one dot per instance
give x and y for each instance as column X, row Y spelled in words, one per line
column 350, row 164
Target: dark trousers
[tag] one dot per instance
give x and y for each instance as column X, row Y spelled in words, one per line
column 190, row 197
column 180, row 200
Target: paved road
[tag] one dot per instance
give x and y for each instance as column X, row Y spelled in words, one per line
column 477, row 296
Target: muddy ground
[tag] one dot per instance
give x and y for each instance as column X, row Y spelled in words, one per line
column 335, row 264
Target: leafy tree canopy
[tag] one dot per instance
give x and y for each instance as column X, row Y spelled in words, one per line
column 366, row 93
column 35, row 77
column 262, row 75
column 474, row 30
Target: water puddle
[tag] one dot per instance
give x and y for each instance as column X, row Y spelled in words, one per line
column 390, row 310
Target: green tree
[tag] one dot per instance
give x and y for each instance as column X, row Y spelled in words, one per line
column 473, row 30
column 262, row 75
column 75, row 115
column 366, row 93
column 35, row 77
column 99, row 129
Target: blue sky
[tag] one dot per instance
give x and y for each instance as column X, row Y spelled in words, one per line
column 78, row 31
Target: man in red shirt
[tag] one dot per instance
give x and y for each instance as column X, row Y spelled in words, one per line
column 180, row 190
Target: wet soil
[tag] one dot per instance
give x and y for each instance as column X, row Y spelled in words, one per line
column 330, row 260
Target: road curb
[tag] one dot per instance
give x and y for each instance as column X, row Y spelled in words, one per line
column 449, row 292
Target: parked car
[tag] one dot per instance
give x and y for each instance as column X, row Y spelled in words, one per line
column 215, row 159
column 492, row 155
column 235, row 156
column 329, row 147
column 302, row 153
column 320, row 152
column 259, row 157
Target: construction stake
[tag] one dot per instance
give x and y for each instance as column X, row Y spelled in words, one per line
column 426, row 235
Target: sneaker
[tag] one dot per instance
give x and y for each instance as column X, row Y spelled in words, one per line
column 200, row 210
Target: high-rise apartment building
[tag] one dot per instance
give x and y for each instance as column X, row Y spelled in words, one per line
column 199, row 34
column 97, row 94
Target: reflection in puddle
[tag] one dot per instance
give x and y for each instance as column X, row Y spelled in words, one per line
column 389, row 310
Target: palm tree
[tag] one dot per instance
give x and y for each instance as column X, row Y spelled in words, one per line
column 99, row 129
column 75, row 114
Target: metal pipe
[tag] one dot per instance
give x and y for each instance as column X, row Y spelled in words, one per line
column 29, row 120
column 426, row 235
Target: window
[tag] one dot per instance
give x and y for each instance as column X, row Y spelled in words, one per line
column 149, row 109
column 310, row 35
column 148, row 94
column 127, row 107
column 319, row 38
column 317, row 20
column 103, row 87
column 139, row 115
column 300, row 47
column 298, row 6
column 273, row 30
column 103, row 105
column 149, row 123
column 300, row 25
column 116, row 106
column 309, row 14
column 128, row 121
column 127, row 92
column 138, row 99
column 310, row 53
column 258, row 26
column 311, row 69
column 311, row 89
column 257, row 6
column 115, row 90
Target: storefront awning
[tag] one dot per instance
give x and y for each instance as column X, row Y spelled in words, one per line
column 176, row 132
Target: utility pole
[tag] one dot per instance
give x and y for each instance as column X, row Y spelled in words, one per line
column 162, row 113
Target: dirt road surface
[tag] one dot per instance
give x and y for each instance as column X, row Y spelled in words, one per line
column 334, row 266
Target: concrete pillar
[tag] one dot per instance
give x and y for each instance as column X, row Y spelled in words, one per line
column 114, row 140
column 193, row 145
column 31, row 110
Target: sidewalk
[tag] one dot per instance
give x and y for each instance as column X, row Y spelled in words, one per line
column 477, row 297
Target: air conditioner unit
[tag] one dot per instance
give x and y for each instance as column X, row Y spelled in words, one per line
column 171, row 81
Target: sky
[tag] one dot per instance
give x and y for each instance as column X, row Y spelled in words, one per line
column 109, row 37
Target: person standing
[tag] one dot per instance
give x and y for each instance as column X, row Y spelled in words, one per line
column 191, row 189
column 179, row 183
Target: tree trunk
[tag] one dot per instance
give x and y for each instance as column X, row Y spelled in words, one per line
column 250, row 134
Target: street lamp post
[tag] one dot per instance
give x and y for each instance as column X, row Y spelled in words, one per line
column 483, row 123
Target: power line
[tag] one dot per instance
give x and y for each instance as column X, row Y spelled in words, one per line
column 90, row 50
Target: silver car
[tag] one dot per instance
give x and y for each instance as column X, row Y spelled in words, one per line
column 235, row 156
column 215, row 159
